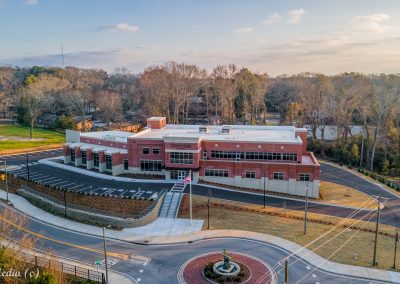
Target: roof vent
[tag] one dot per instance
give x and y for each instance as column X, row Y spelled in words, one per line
column 226, row 129
column 203, row 129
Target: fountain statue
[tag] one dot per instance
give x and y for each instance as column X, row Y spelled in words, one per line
column 227, row 259
column 226, row 268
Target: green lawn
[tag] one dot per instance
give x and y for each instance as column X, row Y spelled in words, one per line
column 15, row 132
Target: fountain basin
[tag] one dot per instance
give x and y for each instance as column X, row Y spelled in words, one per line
column 232, row 271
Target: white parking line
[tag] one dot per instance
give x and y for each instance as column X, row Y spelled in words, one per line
column 79, row 185
column 111, row 190
column 50, row 179
column 58, row 183
column 83, row 189
column 66, row 185
column 39, row 176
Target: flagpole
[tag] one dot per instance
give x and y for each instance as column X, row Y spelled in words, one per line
column 190, row 195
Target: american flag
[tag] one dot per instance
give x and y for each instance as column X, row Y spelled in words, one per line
column 186, row 180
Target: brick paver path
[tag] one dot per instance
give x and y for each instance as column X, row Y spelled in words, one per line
column 192, row 272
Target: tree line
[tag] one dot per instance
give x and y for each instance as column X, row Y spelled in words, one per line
column 187, row 93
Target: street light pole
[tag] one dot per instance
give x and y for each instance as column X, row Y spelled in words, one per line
column 6, row 179
column 27, row 164
column 264, row 192
column 376, row 230
column 65, row 204
column 396, row 240
column 305, row 212
column 105, row 252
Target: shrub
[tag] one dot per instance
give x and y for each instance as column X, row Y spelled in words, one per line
column 45, row 278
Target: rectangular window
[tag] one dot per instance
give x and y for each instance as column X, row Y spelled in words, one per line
column 156, row 151
column 72, row 154
column 204, row 155
column 250, row 174
column 304, row 177
column 146, row 150
column 289, row 157
column 83, row 154
column 181, row 158
column 150, row 166
column 126, row 165
column 215, row 173
column 108, row 162
column 278, row 176
column 96, row 160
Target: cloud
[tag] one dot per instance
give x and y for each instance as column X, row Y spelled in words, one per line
column 31, row 2
column 371, row 23
column 272, row 19
column 244, row 30
column 295, row 16
column 123, row 27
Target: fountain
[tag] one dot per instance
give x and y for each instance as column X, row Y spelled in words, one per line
column 226, row 268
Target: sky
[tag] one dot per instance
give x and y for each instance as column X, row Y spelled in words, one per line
column 276, row 37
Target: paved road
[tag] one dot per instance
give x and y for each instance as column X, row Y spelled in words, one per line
column 79, row 182
column 167, row 259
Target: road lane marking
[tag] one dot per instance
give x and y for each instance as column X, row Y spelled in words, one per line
column 112, row 254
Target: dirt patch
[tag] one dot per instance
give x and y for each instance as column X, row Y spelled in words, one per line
column 334, row 193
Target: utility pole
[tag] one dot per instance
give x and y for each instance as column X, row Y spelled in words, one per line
column 190, row 196
column 305, row 211
column 396, row 240
column 286, row 271
column 105, row 252
column 27, row 164
column 376, row 230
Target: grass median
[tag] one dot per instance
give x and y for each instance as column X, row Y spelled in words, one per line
column 357, row 249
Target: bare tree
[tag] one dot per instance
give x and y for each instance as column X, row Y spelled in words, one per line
column 110, row 105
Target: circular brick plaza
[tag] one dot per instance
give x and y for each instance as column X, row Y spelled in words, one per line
column 192, row 270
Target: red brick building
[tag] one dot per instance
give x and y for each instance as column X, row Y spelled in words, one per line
column 258, row 157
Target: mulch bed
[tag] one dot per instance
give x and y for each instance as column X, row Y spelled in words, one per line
column 193, row 271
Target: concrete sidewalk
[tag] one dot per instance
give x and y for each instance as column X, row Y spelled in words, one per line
column 189, row 233
column 49, row 162
column 160, row 227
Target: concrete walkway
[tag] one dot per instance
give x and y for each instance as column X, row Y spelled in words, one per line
column 49, row 162
column 170, row 231
column 160, row 227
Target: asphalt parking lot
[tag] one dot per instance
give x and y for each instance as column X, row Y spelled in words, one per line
column 132, row 192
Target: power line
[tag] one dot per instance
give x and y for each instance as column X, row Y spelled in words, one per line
column 338, row 249
column 352, row 214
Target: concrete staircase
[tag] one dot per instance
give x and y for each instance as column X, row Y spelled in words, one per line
column 172, row 201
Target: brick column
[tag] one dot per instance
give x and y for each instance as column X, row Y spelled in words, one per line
column 78, row 157
column 67, row 155
column 102, row 161
column 89, row 158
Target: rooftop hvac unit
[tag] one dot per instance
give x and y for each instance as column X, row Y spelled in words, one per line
column 226, row 129
column 203, row 129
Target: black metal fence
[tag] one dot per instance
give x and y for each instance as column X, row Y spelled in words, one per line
column 65, row 268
